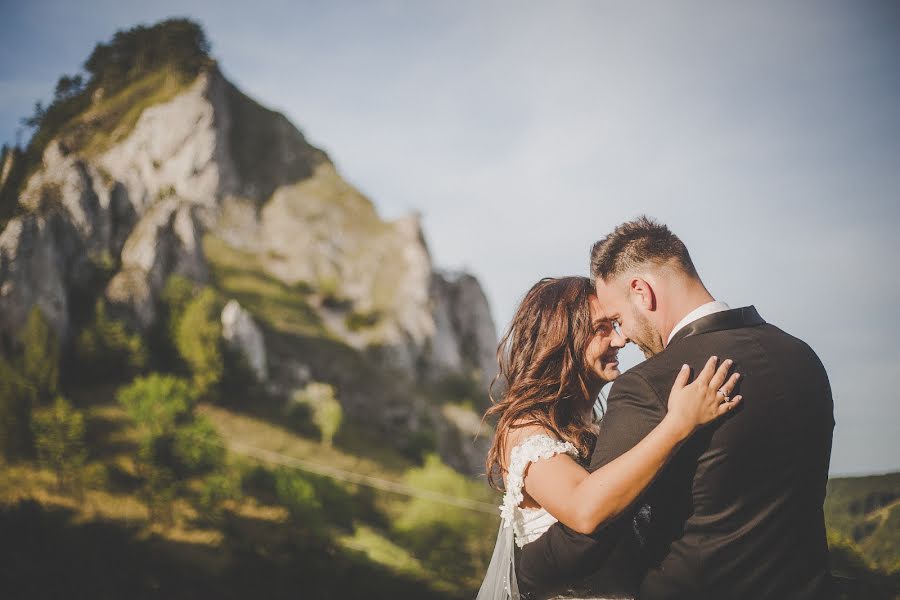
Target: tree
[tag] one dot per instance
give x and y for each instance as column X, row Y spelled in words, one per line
column 59, row 440
column 35, row 120
column 299, row 496
column 324, row 408
column 66, row 87
column 17, row 398
column 105, row 348
column 41, row 358
column 216, row 489
column 199, row 447
column 156, row 403
column 199, row 341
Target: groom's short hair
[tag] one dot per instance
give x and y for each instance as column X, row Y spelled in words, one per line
column 636, row 243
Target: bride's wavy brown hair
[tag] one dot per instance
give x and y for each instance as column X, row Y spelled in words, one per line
column 541, row 359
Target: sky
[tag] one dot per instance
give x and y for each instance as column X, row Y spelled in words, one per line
column 765, row 134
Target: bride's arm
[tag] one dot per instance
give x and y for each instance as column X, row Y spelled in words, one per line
column 584, row 501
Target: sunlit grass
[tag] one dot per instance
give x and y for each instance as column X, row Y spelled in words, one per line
column 240, row 275
column 381, row 550
column 110, row 120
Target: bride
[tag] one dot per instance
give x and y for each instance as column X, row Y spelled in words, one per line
column 558, row 353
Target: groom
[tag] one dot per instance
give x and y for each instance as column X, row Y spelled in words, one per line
column 737, row 513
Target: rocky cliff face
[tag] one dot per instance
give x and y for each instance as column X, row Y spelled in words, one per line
column 212, row 162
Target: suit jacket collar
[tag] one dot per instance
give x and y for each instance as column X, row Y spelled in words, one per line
column 728, row 319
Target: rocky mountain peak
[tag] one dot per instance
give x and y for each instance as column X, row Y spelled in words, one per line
column 201, row 172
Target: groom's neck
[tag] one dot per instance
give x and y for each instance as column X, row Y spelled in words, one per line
column 687, row 296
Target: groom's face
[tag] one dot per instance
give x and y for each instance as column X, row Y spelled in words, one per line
column 622, row 308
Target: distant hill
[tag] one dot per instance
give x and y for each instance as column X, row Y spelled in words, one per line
column 866, row 511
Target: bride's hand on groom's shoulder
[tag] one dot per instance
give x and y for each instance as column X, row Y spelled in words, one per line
column 708, row 397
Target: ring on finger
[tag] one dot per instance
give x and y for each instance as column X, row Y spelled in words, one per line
column 725, row 397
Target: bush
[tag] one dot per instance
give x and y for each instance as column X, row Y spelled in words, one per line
column 217, row 489
column 17, row 398
column 59, row 440
column 199, row 447
column 105, row 348
column 299, row 496
column 199, row 341
column 156, row 403
column 40, row 363
column 160, row 491
column 339, row 504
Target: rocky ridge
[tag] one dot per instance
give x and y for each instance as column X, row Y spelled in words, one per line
column 212, row 162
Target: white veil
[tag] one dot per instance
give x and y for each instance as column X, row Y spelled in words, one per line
column 500, row 580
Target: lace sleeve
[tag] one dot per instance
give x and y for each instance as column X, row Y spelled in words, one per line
column 532, row 449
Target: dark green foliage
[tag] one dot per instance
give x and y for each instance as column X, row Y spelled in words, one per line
column 339, row 504
column 218, row 488
column 17, row 398
column 106, row 349
column 299, row 496
column 40, row 362
column 11, row 162
column 179, row 43
column 460, row 388
column 198, row 447
column 258, row 481
column 59, row 440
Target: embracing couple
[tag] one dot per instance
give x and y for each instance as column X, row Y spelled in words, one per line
column 705, row 476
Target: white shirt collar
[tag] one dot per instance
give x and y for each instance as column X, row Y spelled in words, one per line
column 698, row 313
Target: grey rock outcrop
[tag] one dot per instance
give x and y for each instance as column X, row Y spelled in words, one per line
column 243, row 335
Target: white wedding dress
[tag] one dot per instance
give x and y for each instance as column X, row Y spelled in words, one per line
column 520, row 525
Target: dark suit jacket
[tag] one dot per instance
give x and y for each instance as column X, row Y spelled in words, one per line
column 737, row 512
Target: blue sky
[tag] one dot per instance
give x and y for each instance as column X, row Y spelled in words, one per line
column 766, row 134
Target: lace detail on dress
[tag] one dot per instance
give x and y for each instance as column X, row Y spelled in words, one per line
column 526, row 522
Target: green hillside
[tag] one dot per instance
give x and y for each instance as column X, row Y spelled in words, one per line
column 865, row 511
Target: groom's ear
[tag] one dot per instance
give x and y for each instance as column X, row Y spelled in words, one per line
column 643, row 293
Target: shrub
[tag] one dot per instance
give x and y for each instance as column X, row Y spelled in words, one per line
column 59, row 440
column 156, row 403
column 218, row 488
column 40, row 362
column 339, row 504
column 105, row 348
column 299, row 496
column 199, row 447
column 199, row 341
column 17, row 398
